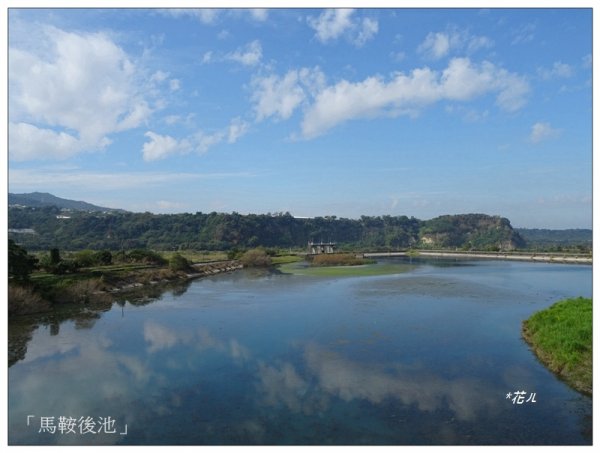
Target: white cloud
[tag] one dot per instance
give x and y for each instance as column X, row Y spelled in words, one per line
column 28, row 142
column 334, row 23
column 209, row 16
column 207, row 57
column 223, row 34
column 159, row 76
column 140, row 111
column 187, row 120
column 559, row 70
column 174, row 84
column 542, row 131
column 250, row 55
column 513, row 91
column 586, row 61
column 398, row 56
column 205, row 15
column 259, row 14
column 278, row 97
column 237, row 128
column 77, row 92
column 478, row 42
column 327, row 106
column 202, row 141
column 161, row 146
column 369, row 28
column 172, row 119
column 462, row 81
column 331, row 23
column 438, row 45
column 523, row 33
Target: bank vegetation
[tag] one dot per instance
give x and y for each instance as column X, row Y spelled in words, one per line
column 561, row 337
column 40, row 283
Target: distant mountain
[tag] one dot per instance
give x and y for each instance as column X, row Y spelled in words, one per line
column 40, row 199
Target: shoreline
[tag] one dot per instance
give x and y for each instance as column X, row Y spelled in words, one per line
column 104, row 288
column 519, row 256
column 204, row 270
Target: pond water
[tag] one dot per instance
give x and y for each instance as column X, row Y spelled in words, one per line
column 425, row 356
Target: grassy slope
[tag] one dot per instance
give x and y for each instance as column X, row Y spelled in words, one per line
column 561, row 337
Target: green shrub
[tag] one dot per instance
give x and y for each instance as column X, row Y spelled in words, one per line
column 88, row 258
column 103, row 258
column 144, row 256
column 54, row 256
column 179, row 263
column 64, row 267
column 256, row 258
column 234, row 254
column 20, row 263
column 84, row 258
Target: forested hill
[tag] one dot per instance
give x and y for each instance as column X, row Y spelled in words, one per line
column 47, row 227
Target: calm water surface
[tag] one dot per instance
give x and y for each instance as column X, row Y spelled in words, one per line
column 427, row 356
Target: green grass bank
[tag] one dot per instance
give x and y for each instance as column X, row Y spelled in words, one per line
column 561, row 337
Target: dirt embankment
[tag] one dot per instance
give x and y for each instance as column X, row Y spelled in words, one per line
column 24, row 300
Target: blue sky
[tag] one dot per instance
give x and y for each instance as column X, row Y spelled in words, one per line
column 345, row 112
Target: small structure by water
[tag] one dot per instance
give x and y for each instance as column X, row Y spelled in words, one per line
column 317, row 248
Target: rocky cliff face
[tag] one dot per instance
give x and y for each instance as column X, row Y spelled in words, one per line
column 470, row 231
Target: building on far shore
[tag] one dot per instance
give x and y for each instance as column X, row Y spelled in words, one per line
column 317, row 248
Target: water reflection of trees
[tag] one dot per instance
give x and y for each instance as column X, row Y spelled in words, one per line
column 19, row 336
column 84, row 316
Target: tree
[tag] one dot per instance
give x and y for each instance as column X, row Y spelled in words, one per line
column 103, row 257
column 54, row 256
column 20, row 263
column 179, row 263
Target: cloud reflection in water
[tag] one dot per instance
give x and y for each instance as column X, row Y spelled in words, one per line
column 330, row 375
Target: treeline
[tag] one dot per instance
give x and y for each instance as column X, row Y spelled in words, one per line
column 73, row 230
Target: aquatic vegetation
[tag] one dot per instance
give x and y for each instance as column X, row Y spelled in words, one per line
column 339, row 259
column 302, row 268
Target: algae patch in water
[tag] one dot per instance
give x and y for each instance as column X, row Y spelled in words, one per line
column 303, row 268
